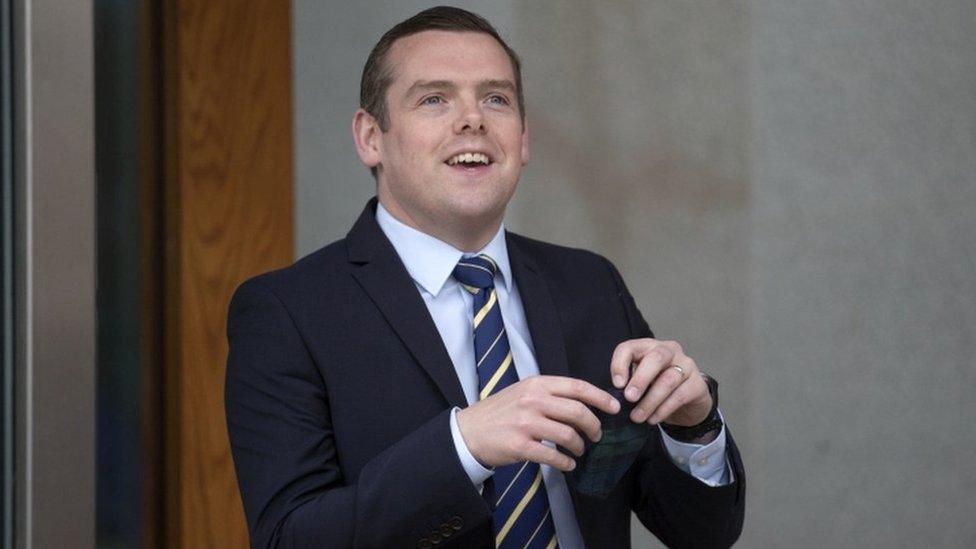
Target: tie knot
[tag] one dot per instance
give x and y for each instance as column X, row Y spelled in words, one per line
column 476, row 272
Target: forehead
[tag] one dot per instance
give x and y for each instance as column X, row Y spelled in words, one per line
column 448, row 55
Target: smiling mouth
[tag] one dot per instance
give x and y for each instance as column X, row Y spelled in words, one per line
column 469, row 160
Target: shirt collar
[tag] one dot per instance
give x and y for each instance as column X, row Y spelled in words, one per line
column 430, row 261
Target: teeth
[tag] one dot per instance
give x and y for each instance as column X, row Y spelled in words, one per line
column 468, row 158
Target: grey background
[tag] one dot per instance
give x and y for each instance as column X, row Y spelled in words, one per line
column 788, row 188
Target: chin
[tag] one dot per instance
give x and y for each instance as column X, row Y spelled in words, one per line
column 479, row 207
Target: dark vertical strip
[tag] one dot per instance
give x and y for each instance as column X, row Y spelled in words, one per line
column 117, row 130
column 6, row 292
column 171, row 66
column 150, row 275
column 128, row 152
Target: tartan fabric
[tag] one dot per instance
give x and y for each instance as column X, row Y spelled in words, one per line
column 606, row 462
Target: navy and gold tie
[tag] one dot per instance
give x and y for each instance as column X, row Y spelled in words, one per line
column 521, row 517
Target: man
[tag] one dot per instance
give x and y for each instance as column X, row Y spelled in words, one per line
column 434, row 380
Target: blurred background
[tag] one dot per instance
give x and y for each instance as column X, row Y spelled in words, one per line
column 788, row 188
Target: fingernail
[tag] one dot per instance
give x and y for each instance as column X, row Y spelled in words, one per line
column 631, row 393
column 614, row 405
column 618, row 381
column 636, row 416
column 599, row 435
column 572, row 465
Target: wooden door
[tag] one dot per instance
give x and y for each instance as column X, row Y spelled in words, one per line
column 227, row 215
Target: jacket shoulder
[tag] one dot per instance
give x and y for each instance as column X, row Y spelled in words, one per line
column 556, row 259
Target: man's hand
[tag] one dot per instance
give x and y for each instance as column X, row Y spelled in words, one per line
column 675, row 397
column 508, row 427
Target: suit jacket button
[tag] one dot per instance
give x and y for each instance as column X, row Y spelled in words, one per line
column 446, row 530
column 424, row 543
column 456, row 522
column 435, row 538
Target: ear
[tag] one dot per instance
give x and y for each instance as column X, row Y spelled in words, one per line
column 366, row 134
column 525, row 141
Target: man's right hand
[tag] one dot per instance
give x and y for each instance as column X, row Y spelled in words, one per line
column 508, row 427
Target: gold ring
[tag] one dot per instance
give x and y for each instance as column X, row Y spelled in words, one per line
column 681, row 371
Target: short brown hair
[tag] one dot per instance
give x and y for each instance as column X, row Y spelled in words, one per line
column 377, row 75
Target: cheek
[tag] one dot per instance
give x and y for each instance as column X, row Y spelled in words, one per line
column 400, row 155
column 419, row 151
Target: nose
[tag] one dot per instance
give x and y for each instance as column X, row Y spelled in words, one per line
column 470, row 119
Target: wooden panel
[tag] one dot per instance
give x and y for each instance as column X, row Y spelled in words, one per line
column 228, row 187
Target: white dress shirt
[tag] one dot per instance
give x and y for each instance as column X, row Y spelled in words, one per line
column 430, row 262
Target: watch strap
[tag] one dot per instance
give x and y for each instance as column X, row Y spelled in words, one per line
column 712, row 422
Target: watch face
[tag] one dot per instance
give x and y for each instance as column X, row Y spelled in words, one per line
column 605, row 462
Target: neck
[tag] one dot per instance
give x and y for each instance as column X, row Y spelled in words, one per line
column 468, row 237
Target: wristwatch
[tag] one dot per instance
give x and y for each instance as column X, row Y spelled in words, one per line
column 712, row 421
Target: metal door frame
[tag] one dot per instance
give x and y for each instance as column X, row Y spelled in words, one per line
column 54, row 273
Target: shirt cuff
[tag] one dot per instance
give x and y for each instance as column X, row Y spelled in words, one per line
column 706, row 462
column 476, row 472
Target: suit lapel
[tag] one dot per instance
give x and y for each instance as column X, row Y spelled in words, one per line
column 549, row 343
column 383, row 277
column 540, row 312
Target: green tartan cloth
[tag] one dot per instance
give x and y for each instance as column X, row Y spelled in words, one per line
column 605, row 462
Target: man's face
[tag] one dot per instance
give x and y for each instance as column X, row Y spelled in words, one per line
column 455, row 143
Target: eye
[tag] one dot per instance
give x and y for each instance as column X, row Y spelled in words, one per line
column 432, row 100
column 498, row 99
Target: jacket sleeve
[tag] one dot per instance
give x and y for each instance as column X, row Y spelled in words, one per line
column 676, row 507
column 285, row 456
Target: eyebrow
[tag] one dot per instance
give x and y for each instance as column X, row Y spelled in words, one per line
column 506, row 85
column 425, row 85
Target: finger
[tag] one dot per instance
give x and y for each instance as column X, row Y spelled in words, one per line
column 540, row 453
column 624, row 355
column 693, row 388
column 667, row 381
column 574, row 413
column 583, row 391
column 674, row 346
column 560, row 434
column 647, row 370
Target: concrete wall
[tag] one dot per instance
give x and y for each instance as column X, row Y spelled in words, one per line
column 788, row 187
column 863, row 294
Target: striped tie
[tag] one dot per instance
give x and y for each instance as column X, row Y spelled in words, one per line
column 521, row 517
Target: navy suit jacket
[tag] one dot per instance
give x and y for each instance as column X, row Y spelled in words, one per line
column 339, row 390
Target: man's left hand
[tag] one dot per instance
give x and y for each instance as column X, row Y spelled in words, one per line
column 678, row 395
